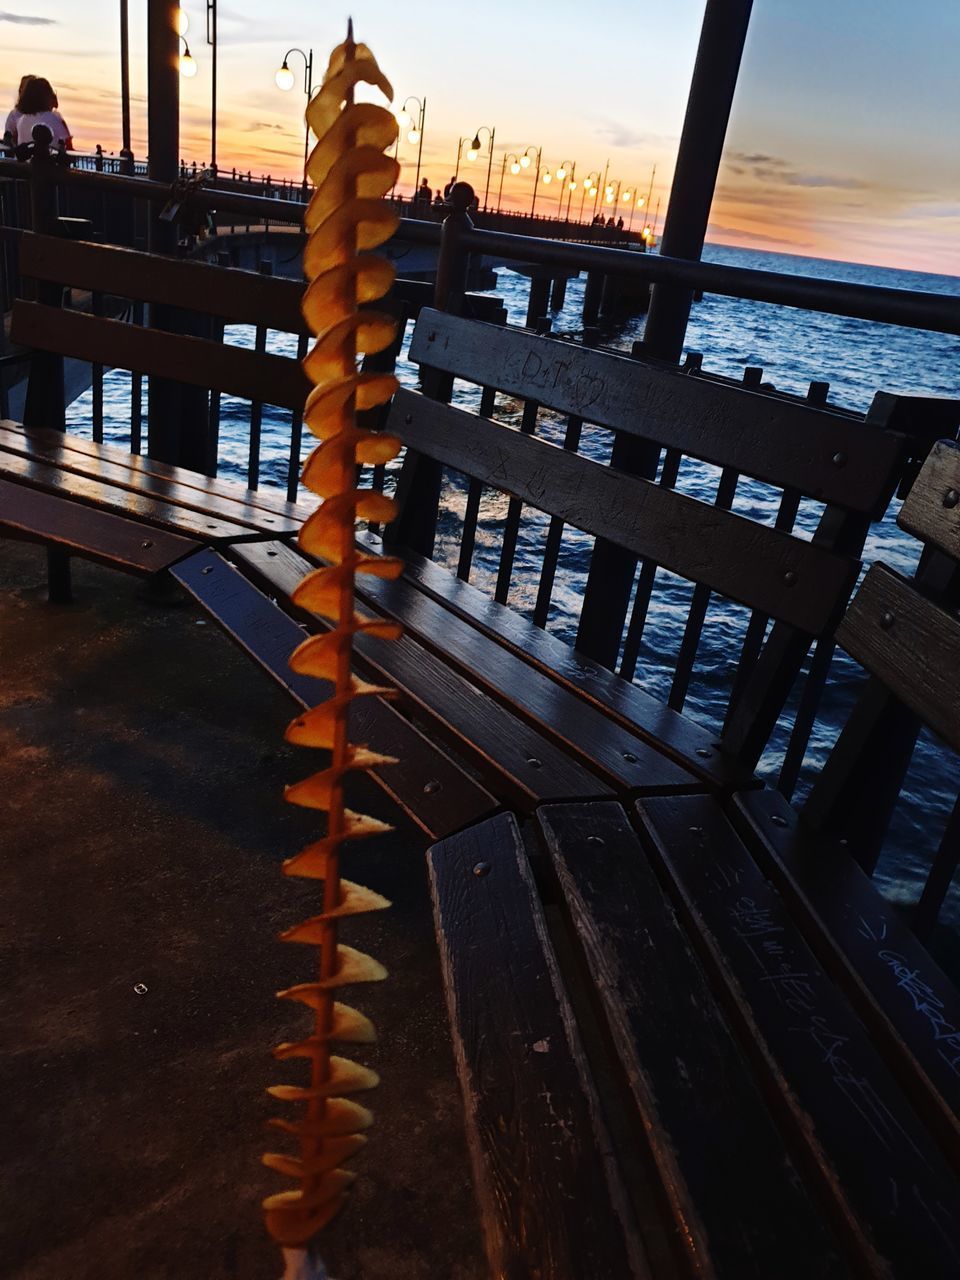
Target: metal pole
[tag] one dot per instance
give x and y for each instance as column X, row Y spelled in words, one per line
column 456, row 172
column 212, row 42
column 163, row 108
column 722, row 39
column 308, row 89
column 486, row 189
column 125, row 73
column 423, row 112
column 503, row 169
column 536, row 181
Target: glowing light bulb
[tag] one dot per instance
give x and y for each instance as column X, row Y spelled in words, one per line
column 548, row 178
column 626, row 196
column 525, row 162
column 609, row 198
column 641, row 201
column 413, row 135
column 403, row 120
column 515, row 167
column 588, row 183
column 561, row 173
column 572, row 186
column 472, row 154
column 284, row 78
column 183, row 23
column 188, row 66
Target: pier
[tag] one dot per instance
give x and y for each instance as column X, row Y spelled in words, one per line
column 634, row 969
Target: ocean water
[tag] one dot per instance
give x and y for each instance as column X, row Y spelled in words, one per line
column 793, row 347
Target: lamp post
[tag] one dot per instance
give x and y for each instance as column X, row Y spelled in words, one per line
column 514, row 168
column 611, row 192
column 414, row 123
column 565, row 171
column 285, row 80
column 188, row 66
column 212, row 42
column 590, row 184
column 474, row 150
column 636, row 202
column 526, row 159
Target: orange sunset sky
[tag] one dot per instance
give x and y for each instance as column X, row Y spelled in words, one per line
column 843, row 141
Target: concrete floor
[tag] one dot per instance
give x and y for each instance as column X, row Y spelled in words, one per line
column 141, row 827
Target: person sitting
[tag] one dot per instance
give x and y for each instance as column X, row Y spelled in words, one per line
column 38, row 104
column 13, row 116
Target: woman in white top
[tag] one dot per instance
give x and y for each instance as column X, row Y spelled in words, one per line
column 37, row 105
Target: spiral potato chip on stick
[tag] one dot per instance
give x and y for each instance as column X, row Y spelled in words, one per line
column 346, row 217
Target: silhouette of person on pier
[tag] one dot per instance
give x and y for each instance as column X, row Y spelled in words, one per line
column 13, row 115
column 37, row 104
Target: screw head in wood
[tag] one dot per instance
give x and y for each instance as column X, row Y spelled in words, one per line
column 629, row 757
column 207, row 569
column 704, row 753
column 146, row 545
column 778, row 821
column 887, row 620
column 534, row 763
column 951, row 498
column 790, row 578
column 432, row 787
column 598, row 840
column 481, row 869
column 839, row 459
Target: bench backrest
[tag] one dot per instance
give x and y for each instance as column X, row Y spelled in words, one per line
column 907, row 636
column 794, row 588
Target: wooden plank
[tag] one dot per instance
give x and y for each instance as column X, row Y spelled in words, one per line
column 38, row 441
column 676, row 736
column 102, row 468
column 910, row 644
column 894, row 1198
column 551, row 1203
column 932, row 508
column 95, row 535
column 748, row 1217
column 907, row 1002
column 198, row 362
column 228, row 292
column 624, row 760
column 123, row 502
column 517, row 763
column 795, row 581
column 436, row 793
column 827, row 455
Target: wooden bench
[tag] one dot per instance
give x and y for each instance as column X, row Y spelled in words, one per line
column 780, row 1056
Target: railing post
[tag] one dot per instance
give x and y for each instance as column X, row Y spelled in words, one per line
column 722, row 38
column 418, row 487
column 44, row 404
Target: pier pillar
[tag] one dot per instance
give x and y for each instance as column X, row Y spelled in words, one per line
column 591, row 297
column 539, row 299
column 722, row 38
column 558, row 295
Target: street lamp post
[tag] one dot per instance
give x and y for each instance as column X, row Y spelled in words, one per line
column 474, row 150
column 565, row 172
column 611, row 192
column 212, row 42
column 636, row 202
column 590, row 184
column 514, row 168
column 525, row 161
column 285, row 80
column 414, row 123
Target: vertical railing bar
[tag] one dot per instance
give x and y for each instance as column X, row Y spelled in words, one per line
column 256, row 408
column 511, row 528
column 471, row 514
column 551, row 550
column 97, row 307
column 296, row 436
column 940, row 878
column 726, row 491
column 136, row 393
column 648, row 572
column 805, row 717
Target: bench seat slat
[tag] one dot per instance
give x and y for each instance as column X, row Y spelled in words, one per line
column 515, row 761
column 627, row 762
column 910, row 644
column 123, row 502
column 198, row 362
column 52, row 445
column 438, row 795
column 96, row 535
column 797, row 582
column 930, row 511
column 826, row 455
column 620, row 700
column 891, row 979
column 101, row 468
column 738, row 1218
column 892, row 1190
column 550, row 1199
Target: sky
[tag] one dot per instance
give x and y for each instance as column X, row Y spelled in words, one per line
column 844, row 140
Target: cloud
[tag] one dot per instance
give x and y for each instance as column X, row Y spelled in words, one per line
column 774, row 169
column 26, row 20
column 619, row 135
column 256, row 125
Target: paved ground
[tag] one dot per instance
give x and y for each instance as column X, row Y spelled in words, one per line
column 141, row 828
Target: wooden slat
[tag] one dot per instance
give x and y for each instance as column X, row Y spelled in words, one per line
column 899, row 991
column 95, row 535
column 123, row 502
column 795, row 581
column 517, row 763
column 932, row 508
column 276, row 380
column 240, row 297
column 621, row 758
column 910, row 644
column 436, row 793
column 130, row 474
column 825, row 455
column 893, row 1194
column 737, row 1218
column 551, row 1204
column 679, row 737
column 46, row 443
